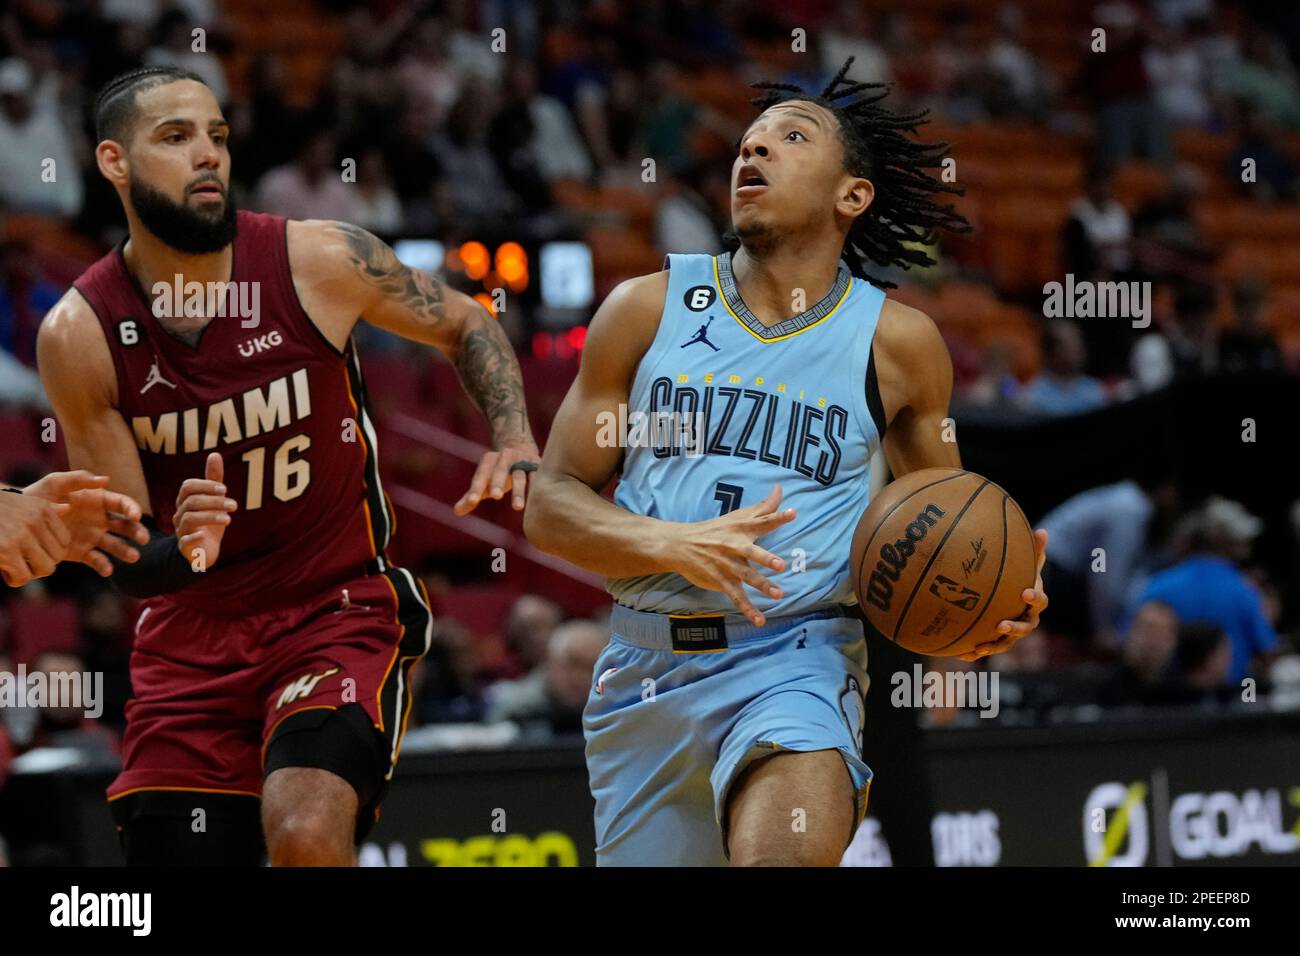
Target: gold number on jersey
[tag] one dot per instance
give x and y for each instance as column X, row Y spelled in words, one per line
column 289, row 477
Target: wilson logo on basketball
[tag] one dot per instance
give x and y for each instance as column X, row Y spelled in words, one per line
column 893, row 557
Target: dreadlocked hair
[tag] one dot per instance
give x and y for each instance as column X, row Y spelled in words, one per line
column 904, row 210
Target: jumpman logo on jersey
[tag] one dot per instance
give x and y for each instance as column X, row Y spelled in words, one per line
column 155, row 378
column 702, row 336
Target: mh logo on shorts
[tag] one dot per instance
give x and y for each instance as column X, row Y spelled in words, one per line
column 302, row 687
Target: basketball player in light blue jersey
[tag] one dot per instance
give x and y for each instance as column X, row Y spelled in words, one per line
column 725, row 717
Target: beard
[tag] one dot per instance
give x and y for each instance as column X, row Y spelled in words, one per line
column 180, row 227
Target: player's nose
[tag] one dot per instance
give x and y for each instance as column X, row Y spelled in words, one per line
column 753, row 145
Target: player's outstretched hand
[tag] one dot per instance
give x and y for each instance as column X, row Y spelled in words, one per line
column 1024, row 625
column 718, row 554
column 100, row 522
column 496, row 472
column 32, row 538
column 202, row 514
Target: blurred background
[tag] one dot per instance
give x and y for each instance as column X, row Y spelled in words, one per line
column 536, row 154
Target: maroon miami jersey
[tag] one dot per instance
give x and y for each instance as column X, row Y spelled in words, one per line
column 283, row 407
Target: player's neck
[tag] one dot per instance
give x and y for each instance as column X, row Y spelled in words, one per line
column 785, row 281
column 152, row 261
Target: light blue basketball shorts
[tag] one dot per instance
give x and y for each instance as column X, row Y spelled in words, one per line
column 681, row 705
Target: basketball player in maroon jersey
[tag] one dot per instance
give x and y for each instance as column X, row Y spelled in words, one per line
column 273, row 650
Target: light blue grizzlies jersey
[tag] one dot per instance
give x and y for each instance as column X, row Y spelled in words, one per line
column 728, row 408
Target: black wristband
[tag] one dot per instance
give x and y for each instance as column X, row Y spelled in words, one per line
column 161, row 569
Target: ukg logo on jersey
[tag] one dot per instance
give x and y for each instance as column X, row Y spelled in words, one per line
column 197, row 300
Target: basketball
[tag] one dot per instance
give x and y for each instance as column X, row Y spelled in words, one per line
column 940, row 558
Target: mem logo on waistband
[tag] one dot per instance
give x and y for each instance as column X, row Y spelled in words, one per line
column 698, row 635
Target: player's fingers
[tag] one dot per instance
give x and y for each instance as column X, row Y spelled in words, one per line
column 99, row 563
column 207, row 503
column 1035, row 598
column 16, row 573
column 119, row 548
column 764, row 524
column 38, row 559
column 1018, row 629
column 194, row 520
column 198, row 486
column 519, row 487
column 63, row 483
column 124, row 505
column 128, row 528
column 743, row 603
column 469, row 501
column 756, row 581
column 214, row 469
column 1040, row 545
column 756, row 555
column 500, row 477
column 55, row 535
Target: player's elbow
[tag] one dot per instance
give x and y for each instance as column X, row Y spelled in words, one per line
column 541, row 514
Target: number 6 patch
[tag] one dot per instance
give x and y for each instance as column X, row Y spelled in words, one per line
column 699, row 297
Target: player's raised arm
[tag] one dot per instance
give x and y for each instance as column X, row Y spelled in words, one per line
column 375, row 286
column 105, row 513
column 915, row 376
column 567, row 516
column 919, row 433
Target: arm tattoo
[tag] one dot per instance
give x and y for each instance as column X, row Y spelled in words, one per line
column 490, row 373
column 375, row 261
column 484, row 357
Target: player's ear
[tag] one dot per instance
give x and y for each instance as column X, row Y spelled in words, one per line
column 111, row 159
column 856, row 194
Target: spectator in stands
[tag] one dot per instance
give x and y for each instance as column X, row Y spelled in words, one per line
column 1266, row 80
column 1020, row 86
column 1209, row 586
column 445, row 685
column 38, row 167
column 377, row 206
column 1146, row 660
column 311, row 185
column 681, row 218
column 527, row 630
column 1129, row 124
column 1183, row 347
column 1249, row 346
column 1062, row 388
column 1095, row 238
column 535, row 140
column 1177, row 75
column 1102, row 551
column 175, row 47
column 1167, row 240
column 1274, row 176
column 1203, row 664
column 996, row 385
column 558, row 699
column 848, row 34
column 472, row 192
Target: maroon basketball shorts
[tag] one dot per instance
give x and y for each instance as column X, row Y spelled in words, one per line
column 220, row 702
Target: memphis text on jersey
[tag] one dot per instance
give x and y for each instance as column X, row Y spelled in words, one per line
column 767, row 423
